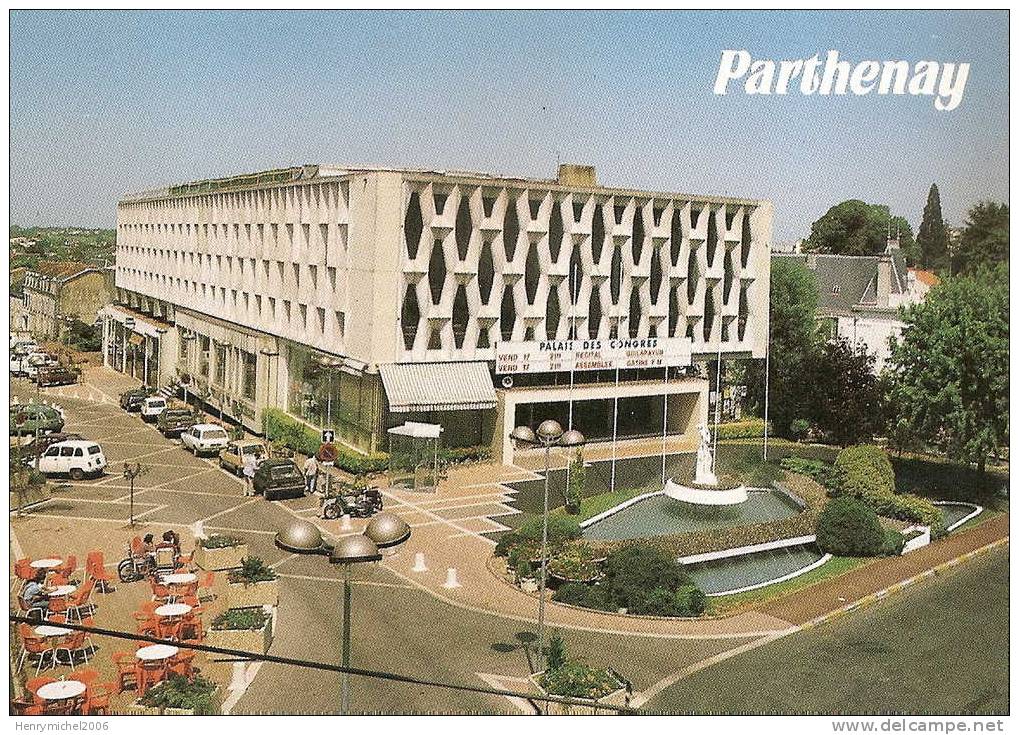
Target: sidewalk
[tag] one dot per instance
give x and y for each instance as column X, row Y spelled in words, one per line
column 816, row 600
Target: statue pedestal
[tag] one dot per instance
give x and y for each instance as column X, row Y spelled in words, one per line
column 705, row 495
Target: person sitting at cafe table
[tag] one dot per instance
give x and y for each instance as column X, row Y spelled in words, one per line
column 147, row 546
column 171, row 538
column 33, row 596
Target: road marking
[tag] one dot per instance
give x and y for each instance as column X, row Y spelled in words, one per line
column 498, row 682
column 361, row 582
column 249, row 501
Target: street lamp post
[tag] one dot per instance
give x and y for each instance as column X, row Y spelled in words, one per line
column 549, row 434
column 384, row 531
column 130, row 473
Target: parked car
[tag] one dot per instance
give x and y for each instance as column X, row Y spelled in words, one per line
column 133, row 399
column 77, row 458
column 35, row 418
column 151, row 408
column 205, row 439
column 232, row 457
column 24, row 347
column 279, row 478
column 30, row 365
column 48, row 375
column 175, row 421
column 45, row 441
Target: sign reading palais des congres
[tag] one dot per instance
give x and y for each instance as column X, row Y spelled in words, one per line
column 556, row 355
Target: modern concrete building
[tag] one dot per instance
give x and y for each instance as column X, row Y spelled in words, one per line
column 861, row 295
column 356, row 299
column 56, row 291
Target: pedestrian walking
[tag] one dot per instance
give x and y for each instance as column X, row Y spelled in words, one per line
column 249, row 474
column 310, row 474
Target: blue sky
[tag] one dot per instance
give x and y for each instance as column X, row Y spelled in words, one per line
column 111, row 102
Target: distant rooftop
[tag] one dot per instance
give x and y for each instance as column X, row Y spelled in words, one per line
column 63, row 269
column 571, row 176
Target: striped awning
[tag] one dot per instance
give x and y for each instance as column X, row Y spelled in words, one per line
column 437, row 386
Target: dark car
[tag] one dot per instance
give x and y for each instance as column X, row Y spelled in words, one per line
column 132, row 400
column 35, row 418
column 57, row 375
column 175, row 421
column 279, row 478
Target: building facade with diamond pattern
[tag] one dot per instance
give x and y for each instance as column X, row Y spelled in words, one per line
column 290, row 289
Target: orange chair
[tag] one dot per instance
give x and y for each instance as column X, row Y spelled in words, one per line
column 149, row 627
column 26, row 707
column 161, row 592
column 72, row 645
column 68, row 568
column 58, row 606
column 33, row 645
column 97, row 701
column 168, row 628
column 78, row 601
column 150, row 673
column 186, row 561
column 191, row 628
column 85, row 676
column 127, row 670
column 182, row 664
column 24, row 572
column 96, row 569
column 205, row 583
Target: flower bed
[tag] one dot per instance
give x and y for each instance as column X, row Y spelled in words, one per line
column 179, row 696
column 243, row 630
column 252, row 585
column 219, row 552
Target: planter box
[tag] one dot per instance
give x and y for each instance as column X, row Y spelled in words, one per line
column 258, row 594
column 529, row 585
column 136, row 708
column 214, row 560
column 250, row 641
column 617, row 697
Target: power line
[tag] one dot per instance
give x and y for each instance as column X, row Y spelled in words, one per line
column 302, row 663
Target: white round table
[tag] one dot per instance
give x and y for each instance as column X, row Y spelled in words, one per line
column 62, row 591
column 183, row 578
column 172, row 610
column 156, row 652
column 61, row 689
column 46, row 563
column 51, row 631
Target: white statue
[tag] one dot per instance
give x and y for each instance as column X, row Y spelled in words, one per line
column 705, row 459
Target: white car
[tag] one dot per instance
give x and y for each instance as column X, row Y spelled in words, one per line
column 205, row 439
column 152, row 407
column 75, row 457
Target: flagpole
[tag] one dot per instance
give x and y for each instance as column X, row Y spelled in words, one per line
column 767, row 376
column 665, row 419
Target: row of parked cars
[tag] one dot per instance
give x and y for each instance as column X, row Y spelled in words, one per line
column 50, row 450
column 275, row 477
column 29, row 360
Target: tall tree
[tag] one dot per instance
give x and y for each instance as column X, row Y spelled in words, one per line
column 984, row 240
column 794, row 340
column 845, row 398
column 856, row 228
column 949, row 369
column 932, row 237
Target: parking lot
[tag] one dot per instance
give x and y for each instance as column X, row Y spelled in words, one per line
column 404, row 621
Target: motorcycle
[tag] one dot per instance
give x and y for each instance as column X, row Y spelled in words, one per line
column 360, row 505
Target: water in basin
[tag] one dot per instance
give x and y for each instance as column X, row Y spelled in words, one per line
column 662, row 516
column 738, row 572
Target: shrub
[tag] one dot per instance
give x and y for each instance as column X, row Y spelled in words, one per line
column 523, row 569
column 632, row 572
column 894, row 542
column 464, row 455
column 556, row 657
column 573, row 593
column 849, row 527
column 821, row 472
column 577, row 484
column 799, row 429
column 749, row 428
column 248, row 618
column 284, row 429
column 252, row 570
column 561, row 530
column 220, row 541
column 182, row 693
column 574, row 562
column 578, row 680
column 865, row 472
column 912, row 508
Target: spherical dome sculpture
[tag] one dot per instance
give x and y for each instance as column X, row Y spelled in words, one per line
column 523, row 434
column 550, row 430
column 353, row 549
column 572, row 438
column 300, row 537
column 387, row 529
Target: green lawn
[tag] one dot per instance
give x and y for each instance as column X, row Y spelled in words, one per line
column 939, row 647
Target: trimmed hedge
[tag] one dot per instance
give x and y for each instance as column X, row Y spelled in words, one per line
column 746, row 429
column 299, row 437
column 865, row 472
column 849, row 527
column 464, row 455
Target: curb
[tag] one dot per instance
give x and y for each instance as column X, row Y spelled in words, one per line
column 899, row 586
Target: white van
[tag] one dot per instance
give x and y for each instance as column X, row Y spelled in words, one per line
column 75, row 457
column 30, row 365
column 152, row 407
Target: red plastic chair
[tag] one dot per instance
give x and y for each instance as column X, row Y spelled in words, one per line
column 85, row 676
column 33, row 645
column 72, row 645
column 96, row 569
column 58, row 606
column 68, row 568
column 97, row 701
column 24, row 572
column 33, row 684
column 150, row 673
column 127, row 670
column 182, row 664
column 78, row 601
column 205, row 583
column 26, row 707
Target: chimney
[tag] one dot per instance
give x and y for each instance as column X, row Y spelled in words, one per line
column 884, row 280
column 572, row 174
